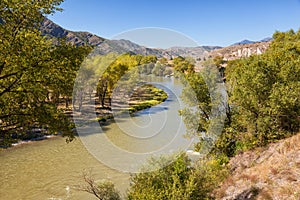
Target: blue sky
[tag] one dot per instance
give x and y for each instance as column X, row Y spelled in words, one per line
column 208, row 22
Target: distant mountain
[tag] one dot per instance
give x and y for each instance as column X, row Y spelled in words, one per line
column 243, row 42
column 211, row 48
column 122, row 46
column 267, row 39
column 252, row 42
column 194, row 52
column 104, row 46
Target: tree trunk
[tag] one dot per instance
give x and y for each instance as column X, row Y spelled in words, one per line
column 67, row 101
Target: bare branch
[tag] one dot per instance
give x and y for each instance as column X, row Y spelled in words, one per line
column 104, row 190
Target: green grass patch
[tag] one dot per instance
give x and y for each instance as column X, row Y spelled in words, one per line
column 146, row 97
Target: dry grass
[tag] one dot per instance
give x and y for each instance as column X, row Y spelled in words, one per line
column 274, row 170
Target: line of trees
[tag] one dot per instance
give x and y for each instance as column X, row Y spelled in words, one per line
column 99, row 75
column 104, row 71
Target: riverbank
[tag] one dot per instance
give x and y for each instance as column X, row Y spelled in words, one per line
column 45, row 137
column 142, row 98
column 16, row 142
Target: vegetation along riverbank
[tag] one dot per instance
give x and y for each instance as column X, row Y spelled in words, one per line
column 41, row 91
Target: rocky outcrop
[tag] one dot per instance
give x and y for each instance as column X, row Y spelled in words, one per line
column 240, row 51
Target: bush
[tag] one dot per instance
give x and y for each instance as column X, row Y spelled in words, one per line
column 179, row 180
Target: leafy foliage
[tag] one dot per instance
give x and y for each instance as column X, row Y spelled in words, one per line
column 178, row 180
column 207, row 110
column 265, row 89
column 33, row 71
column 184, row 65
column 114, row 69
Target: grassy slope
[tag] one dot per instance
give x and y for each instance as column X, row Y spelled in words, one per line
column 272, row 172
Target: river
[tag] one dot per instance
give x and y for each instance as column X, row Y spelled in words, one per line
column 50, row 169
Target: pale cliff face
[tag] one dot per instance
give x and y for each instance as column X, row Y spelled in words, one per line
column 240, row 51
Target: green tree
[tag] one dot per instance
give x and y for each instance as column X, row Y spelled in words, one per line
column 32, row 70
column 67, row 59
column 171, row 182
column 265, row 90
column 110, row 69
column 184, row 65
column 207, row 112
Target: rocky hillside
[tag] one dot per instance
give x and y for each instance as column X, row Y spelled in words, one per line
column 268, row 173
column 240, row 51
column 104, row 46
column 123, row 46
column 53, row 30
column 194, row 52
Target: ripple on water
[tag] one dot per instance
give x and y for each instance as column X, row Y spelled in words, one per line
column 44, row 169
